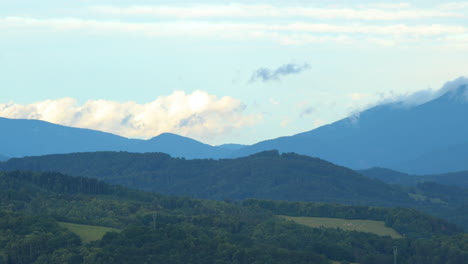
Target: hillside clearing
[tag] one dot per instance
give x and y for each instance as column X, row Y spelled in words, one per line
column 88, row 233
column 368, row 226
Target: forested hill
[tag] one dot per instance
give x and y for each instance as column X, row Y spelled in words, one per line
column 459, row 179
column 158, row 229
column 266, row 175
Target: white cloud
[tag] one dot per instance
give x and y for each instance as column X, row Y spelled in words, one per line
column 359, row 96
column 391, row 30
column 380, row 12
column 199, row 115
column 387, row 5
column 452, row 86
column 286, row 33
column 386, row 42
column 423, row 96
column 454, row 5
column 411, row 99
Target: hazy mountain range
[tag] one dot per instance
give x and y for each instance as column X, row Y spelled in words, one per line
column 425, row 138
column 413, row 138
column 33, row 137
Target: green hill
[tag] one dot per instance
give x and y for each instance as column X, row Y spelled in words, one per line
column 266, row 175
column 155, row 228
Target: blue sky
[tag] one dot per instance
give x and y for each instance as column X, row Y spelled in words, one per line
column 218, row 71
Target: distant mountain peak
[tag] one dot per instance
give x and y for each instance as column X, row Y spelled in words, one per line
column 456, row 89
column 170, row 138
column 460, row 93
column 231, row 146
column 165, row 135
column 421, row 133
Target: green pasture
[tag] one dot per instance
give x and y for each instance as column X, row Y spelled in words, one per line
column 368, row 226
column 88, row 233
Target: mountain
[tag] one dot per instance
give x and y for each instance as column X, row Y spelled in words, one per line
column 446, row 159
column 20, row 137
column 231, row 146
column 178, row 146
column 424, row 138
column 392, row 176
column 3, row 158
column 459, row 179
column 33, row 137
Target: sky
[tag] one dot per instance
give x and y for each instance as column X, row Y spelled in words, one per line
column 221, row 71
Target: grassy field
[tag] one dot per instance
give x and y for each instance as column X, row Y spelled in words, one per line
column 419, row 197
column 369, row 226
column 88, row 233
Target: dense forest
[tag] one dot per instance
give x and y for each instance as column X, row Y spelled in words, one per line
column 266, row 175
column 163, row 229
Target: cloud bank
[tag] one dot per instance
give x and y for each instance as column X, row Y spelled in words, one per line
column 452, row 88
column 381, row 24
column 265, row 74
column 199, row 115
column 370, row 12
column 204, row 28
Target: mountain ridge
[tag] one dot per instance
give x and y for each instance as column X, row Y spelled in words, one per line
column 459, row 179
column 25, row 137
column 390, row 135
